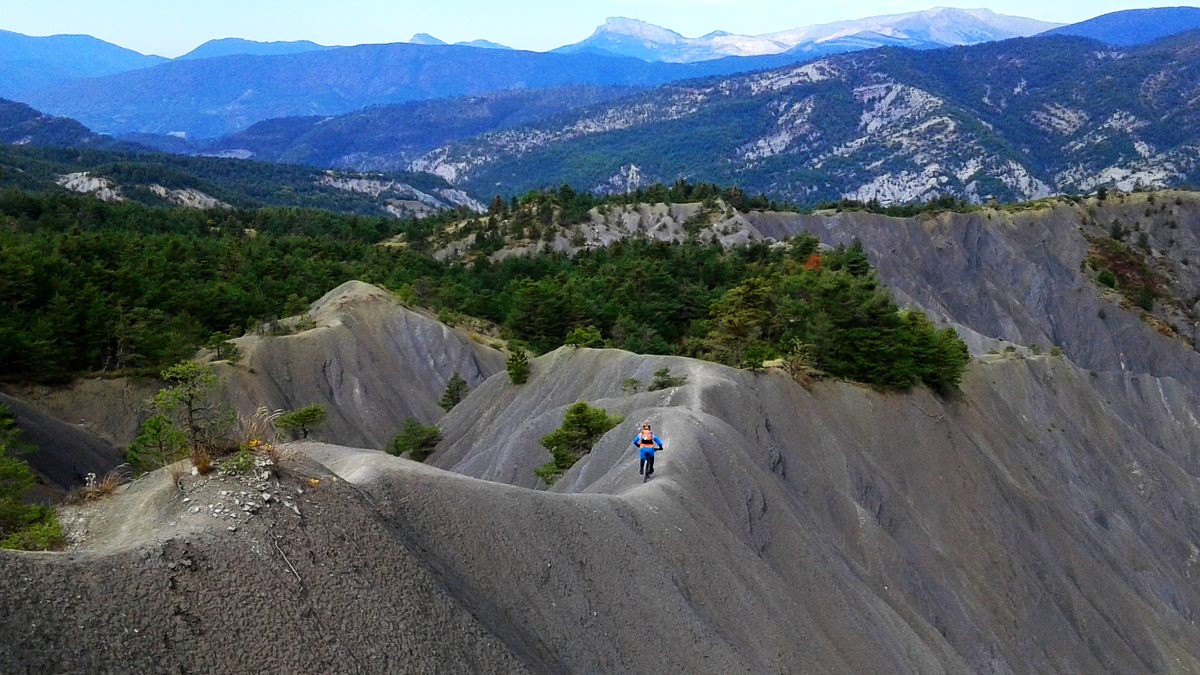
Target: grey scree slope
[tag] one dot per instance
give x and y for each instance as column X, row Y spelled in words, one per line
column 1045, row 520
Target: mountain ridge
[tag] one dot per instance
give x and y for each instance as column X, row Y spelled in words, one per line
column 1134, row 26
column 232, row 46
column 211, row 97
column 936, row 27
column 32, row 63
column 1002, row 120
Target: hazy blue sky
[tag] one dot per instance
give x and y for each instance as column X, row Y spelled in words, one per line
column 172, row 27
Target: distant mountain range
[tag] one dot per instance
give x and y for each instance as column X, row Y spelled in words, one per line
column 227, row 85
column 388, row 138
column 427, row 39
column 238, row 46
column 1135, row 26
column 212, row 97
column 44, row 153
column 1011, row 120
column 29, row 64
column 938, row 27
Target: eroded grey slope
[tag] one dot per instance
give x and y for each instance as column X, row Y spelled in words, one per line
column 1043, row 521
column 370, row 362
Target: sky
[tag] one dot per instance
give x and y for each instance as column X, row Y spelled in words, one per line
column 173, row 27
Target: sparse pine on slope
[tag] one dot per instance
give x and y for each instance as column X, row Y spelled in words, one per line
column 159, row 442
column 518, row 366
column 416, row 440
column 456, row 390
column 582, row 426
column 302, row 420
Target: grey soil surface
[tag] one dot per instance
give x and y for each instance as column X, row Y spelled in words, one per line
column 328, row 586
column 1034, row 524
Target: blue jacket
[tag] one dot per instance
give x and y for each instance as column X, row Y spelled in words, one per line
column 647, row 448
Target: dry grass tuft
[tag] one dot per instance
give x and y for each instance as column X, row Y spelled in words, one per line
column 202, row 461
column 94, row 489
column 260, row 426
column 261, row 439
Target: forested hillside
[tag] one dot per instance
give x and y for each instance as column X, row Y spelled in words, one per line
column 388, row 137
column 209, row 182
column 87, row 286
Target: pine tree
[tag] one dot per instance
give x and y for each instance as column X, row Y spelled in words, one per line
column 303, row 420
column 456, row 390
column 189, row 400
column 518, row 366
column 158, row 443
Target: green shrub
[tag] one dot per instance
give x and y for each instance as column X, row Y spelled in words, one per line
column 416, row 440
column 756, row 355
column 1144, row 298
column 1107, row 278
column 279, row 329
column 240, row 463
column 518, row 366
column 631, row 385
column 450, row 317
column 582, row 426
column 302, row 420
column 46, row 535
column 456, row 391
column 664, row 380
column 585, row 336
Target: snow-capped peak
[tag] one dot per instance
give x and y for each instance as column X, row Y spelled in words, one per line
column 639, row 29
column 425, row 39
column 939, row 26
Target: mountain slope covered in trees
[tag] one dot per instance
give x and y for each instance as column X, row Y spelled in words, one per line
column 22, row 125
column 30, row 64
column 1010, row 120
column 210, row 182
column 1134, row 26
column 388, row 137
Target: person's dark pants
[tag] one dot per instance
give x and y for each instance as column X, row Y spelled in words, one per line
column 647, row 464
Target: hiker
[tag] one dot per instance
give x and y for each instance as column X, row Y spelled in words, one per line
column 647, row 443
